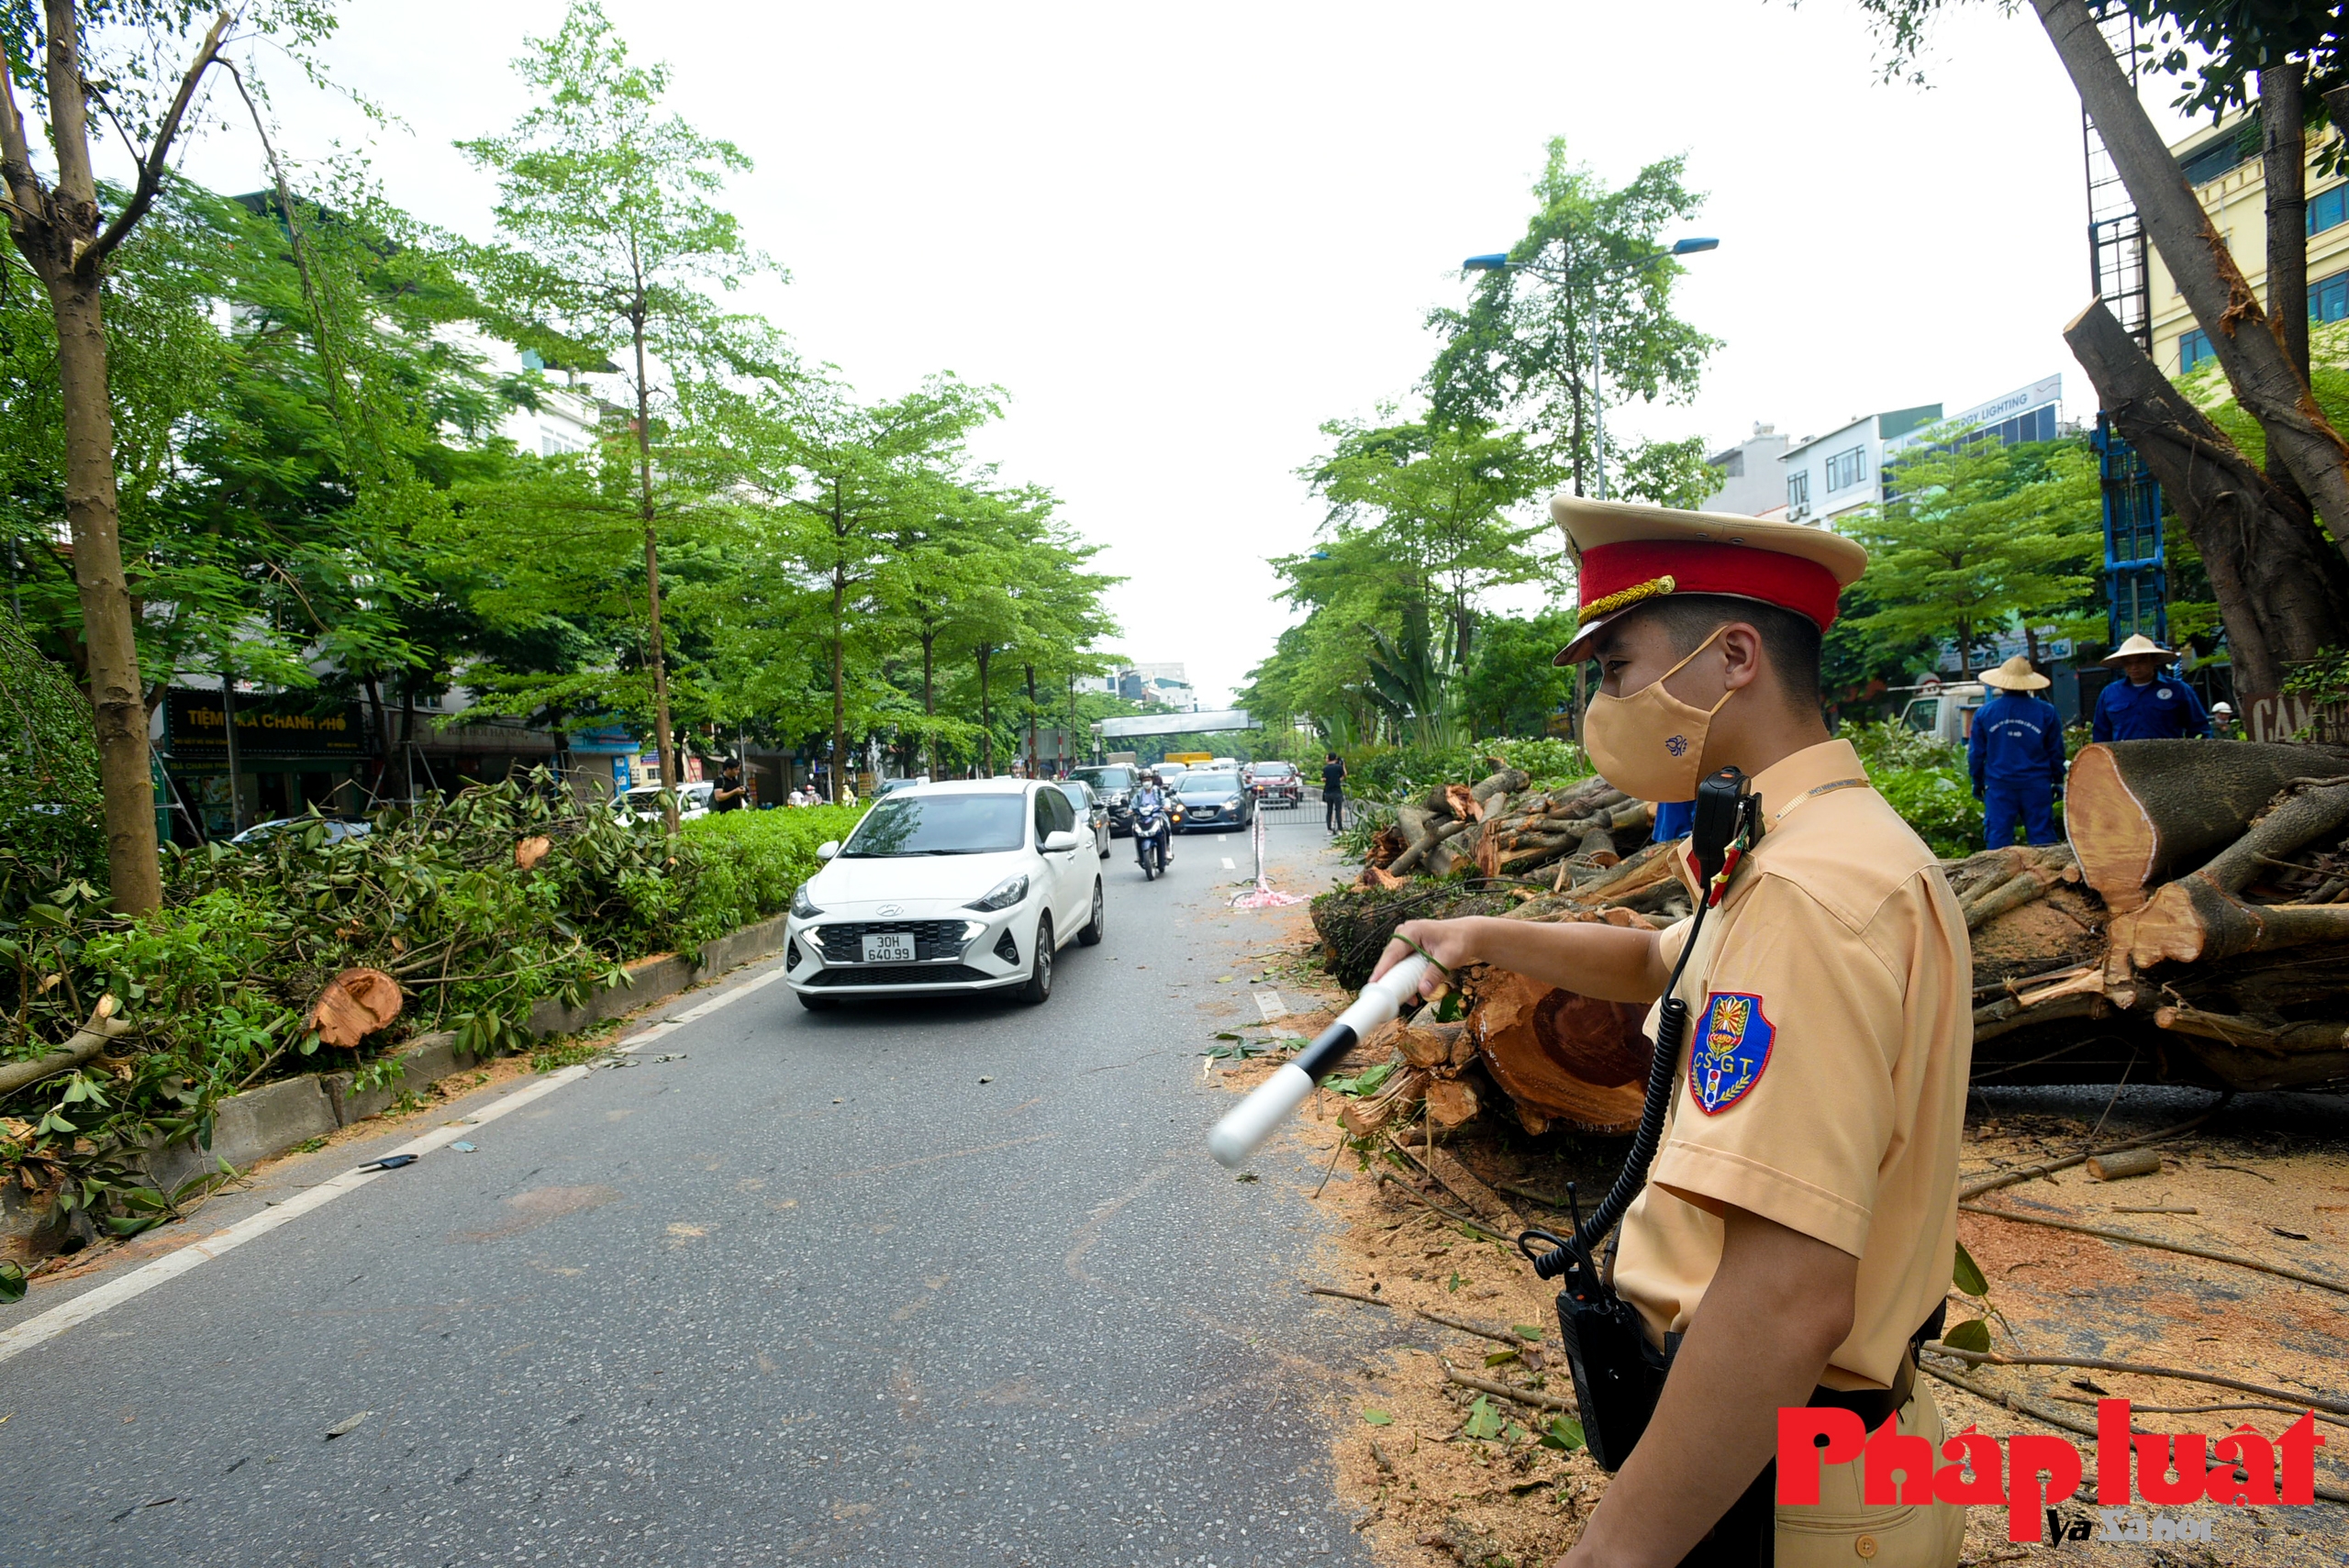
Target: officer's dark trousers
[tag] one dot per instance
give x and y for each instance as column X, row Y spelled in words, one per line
column 2003, row 803
column 1333, row 810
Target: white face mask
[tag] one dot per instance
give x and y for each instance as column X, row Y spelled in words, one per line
column 1651, row 745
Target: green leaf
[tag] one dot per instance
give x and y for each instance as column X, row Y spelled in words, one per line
column 1527, row 1332
column 1483, row 1421
column 1500, row 1358
column 1565, row 1434
column 1379, row 1418
column 1968, row 1274
column 1972, row 1334
column 1451, row 1007
column 1455, row 1281
column 12, row 1283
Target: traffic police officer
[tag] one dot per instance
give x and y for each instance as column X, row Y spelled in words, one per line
column 1800, row 1219
column 2016, row 753
column 2147, row 705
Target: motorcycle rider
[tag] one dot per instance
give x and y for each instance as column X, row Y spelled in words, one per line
column 1150, row 795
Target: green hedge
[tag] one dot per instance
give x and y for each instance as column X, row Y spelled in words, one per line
column 747, row 864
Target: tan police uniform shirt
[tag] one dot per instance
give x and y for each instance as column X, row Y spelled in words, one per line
column 1822, row 1083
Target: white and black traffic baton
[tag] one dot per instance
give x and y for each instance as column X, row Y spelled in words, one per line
column 1245, row 1126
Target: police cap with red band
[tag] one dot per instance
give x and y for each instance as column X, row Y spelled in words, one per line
column 1627, row 555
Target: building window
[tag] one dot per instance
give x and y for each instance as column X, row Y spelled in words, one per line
column 2194, row 344
column 1798, row 491
column 2329, row 298
column 1846, row 469
column 2214, row 160
column 2329, row 209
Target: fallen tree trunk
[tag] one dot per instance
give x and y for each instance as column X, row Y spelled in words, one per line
column 2141, row 812
column 87, row 1042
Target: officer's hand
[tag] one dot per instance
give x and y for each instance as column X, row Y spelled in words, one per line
column 1977, row 792
column 1446, row 941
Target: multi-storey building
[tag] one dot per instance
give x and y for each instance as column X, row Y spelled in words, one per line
column 2224, row 164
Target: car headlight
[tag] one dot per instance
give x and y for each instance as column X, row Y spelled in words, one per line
column 1002, row 895
column 803, row 906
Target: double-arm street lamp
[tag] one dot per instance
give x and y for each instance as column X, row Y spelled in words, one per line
column 1499, row 261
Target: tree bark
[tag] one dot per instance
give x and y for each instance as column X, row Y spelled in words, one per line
column 108, row 629
column 2257, row 365
column 663, row 748
column 2141, row 812
column 2282, row 588
column 2284, row 156
column 1029, row 670
column 929, row 695
column 987, row 714
column 840, row 675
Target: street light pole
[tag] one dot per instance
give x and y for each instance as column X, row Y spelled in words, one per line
column 1499, row 261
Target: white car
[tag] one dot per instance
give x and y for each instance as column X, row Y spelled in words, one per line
column 962, row 886
column 643, row 804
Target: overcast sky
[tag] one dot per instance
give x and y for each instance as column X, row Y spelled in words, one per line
column 1181, row 240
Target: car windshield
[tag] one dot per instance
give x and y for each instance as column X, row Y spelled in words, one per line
column 1275, row 770
column 939, row 825
column 1105, row 778
column 1211, row 784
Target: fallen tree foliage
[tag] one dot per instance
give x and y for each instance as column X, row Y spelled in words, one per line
column 2195, row 930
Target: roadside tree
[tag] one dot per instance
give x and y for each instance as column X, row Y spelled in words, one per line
column 613, row 242
column 109, row 60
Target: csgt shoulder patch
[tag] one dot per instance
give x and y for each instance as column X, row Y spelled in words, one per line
column 1732, row 1047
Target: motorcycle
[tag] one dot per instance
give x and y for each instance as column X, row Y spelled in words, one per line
column 1153, row 838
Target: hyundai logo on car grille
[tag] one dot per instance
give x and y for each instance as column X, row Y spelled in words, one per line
column 890, row 909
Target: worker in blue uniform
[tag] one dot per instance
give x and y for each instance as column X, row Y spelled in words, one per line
column 2016, row 754
column 2147, row 705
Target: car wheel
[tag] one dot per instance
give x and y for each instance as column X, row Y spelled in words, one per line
column 1091, row 935
column 815, row 1004
column 1039, row 969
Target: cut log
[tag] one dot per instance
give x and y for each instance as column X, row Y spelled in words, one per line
column 355, row 1005
column 1426, row 1045
column 2124, row 1163
column 2254, row 1034
column 1454, row 852
column 1571, row 1057
column 1493, row 791
column 1413, row 823
column 1451, row 1102
column 2141, row 812
column 1420, row 849
column 532, row 850
column 2193, row 921
column 1381, row 878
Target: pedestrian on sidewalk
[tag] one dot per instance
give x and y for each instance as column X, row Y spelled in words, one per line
column 2147, row 705
column 1333, row 794
column 2016, row 754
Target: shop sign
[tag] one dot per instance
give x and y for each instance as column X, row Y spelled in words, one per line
column 269, row 728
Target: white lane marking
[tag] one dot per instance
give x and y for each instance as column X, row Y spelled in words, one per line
column 1269, row 1002
column 48, row 1325
column 1227, row 865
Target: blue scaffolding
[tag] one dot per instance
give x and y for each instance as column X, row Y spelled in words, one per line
column 2135, row 575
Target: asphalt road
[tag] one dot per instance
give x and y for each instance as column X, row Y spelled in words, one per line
column 951, row 1281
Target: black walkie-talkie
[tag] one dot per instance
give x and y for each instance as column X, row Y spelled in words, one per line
column 1618, row 1375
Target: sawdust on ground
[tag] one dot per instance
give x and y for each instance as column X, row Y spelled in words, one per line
column 1428, row 1494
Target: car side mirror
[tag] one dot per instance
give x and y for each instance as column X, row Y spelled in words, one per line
column 1059, row 843
column 827, row 848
